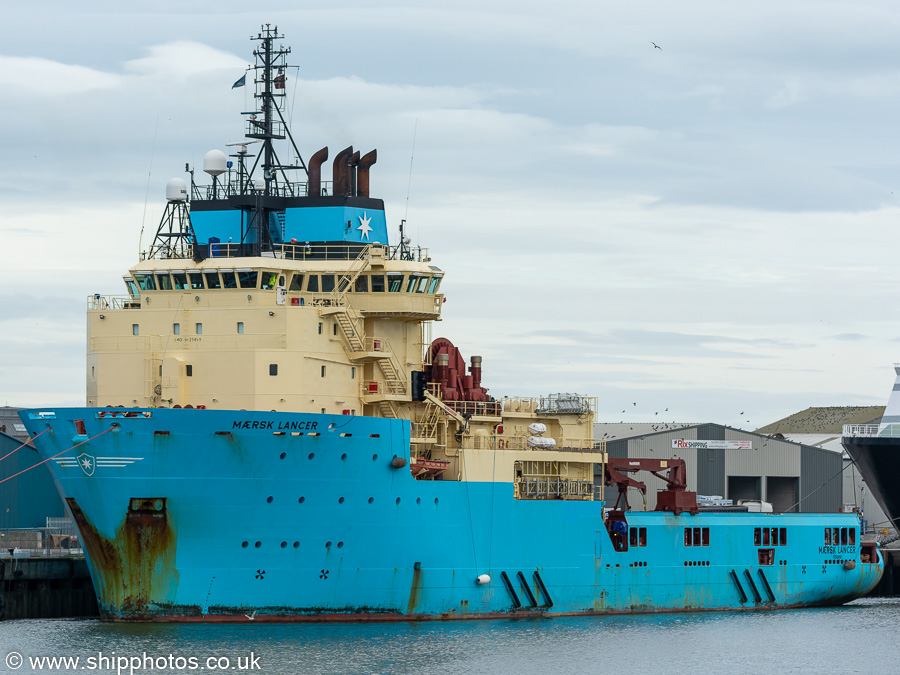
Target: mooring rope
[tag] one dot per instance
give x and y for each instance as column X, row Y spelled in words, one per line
column 23, row 445
column 114, row 426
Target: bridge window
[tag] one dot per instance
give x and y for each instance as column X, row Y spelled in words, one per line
column 313, row 285
column 196, row 280
column 411, row 283
column 433, row 286
column 248, row 278
column 327, row 283
column 180, row 280
column 423, row 284
column 269, row 281
column 361, row 285
column 297, row 282
column 212, row 280
column 395, row 283
column 229, row 280
column 163, row 281
column 145, row 282
column 378, row 283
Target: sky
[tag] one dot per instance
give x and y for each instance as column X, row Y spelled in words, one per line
column 700, row 232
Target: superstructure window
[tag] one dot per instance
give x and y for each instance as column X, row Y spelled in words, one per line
column 240, row 327
column 297, row 282
column 323, row 371
column 176, row 329
column 229, row 280
column 395, row 283
column 313, row 284
column 163, row 281
column 145, row 282
column 828, row 536
column 195, row 279
column 189, row 370
column 378, row 283
column 212, row 280
column 327, row 283
column 199, row 329
column 273, row 369
column 269, row 281
column 135, row 329
column 361, row 285
column 248, row 278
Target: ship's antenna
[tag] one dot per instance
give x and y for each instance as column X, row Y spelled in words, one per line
column 147, row 193
column 412, row 154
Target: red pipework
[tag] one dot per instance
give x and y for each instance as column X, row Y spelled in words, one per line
column 448, row 369
column 314, row 188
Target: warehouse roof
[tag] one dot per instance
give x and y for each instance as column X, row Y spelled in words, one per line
column 829, row 420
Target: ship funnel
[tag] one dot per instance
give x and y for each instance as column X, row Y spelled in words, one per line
column 315, row 172
column 340, row 172
column 362, row 176
column 176, row 190
column 215, row 163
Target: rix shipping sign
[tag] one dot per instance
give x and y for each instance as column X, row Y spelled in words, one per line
column 712, row 445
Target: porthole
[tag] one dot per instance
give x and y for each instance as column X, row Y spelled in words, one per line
column 258, row 544
column 344, row 456
column 284, row 544
column 301, row 500
column 374, row 457
column 398, row 500
column 282, row 455
column 435, row 501
column 341, row 500
column 371, row 500
column 311, row 455
column 245, row 544
column 418, row 500
column 327, row 544
column 270, row 499
column 340, row 544
column 296, row 544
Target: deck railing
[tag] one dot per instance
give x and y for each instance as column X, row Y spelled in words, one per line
column 870, row 430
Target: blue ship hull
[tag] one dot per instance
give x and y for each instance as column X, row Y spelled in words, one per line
column 203, row 515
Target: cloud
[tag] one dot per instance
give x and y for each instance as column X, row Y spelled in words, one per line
column 51, row 78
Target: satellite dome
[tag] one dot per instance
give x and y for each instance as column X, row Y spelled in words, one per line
column 176, row 190
column 215, row 162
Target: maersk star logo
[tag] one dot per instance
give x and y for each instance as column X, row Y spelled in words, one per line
column 364, row 226
column 87, row 464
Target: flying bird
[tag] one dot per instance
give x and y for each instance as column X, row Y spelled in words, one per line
column 655, row 45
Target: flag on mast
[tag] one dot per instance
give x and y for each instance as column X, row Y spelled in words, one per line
column 241, row 82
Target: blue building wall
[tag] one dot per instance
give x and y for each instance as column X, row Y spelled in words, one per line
column 29, row 499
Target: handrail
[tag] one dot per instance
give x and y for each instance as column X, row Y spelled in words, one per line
column 871, row 430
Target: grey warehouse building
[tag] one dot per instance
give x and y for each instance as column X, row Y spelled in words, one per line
column 733, row 464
